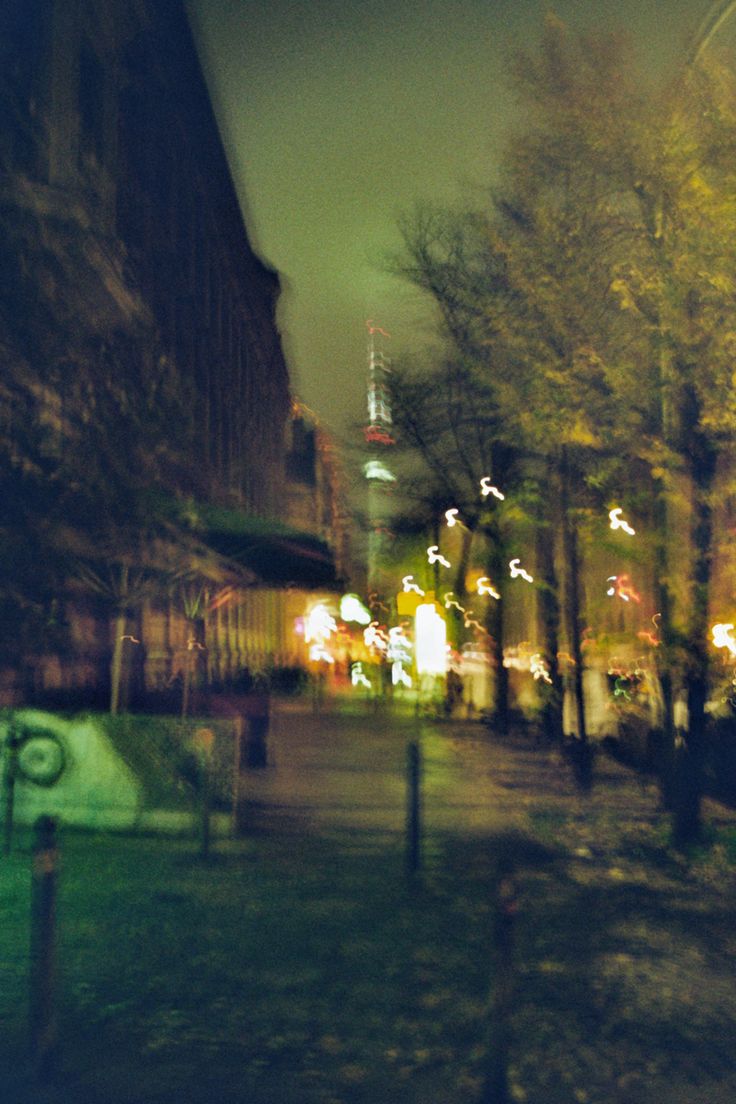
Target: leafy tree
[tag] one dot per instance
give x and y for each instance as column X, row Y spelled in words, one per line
column 513, row 302
column 446, row 414
column 678, row 292
column 92, row 427
column 664, row 344
column 595, row 299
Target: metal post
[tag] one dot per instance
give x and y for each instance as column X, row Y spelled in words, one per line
column 318, row 689
column 204, row 740
column 9, row 773
column 496, row 1087
column 205, row 811
column 237, row 817
column 413, row 807
column 42, row 1004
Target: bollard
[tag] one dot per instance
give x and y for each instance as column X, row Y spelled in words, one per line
column 205, row 814
column 42, row 1003
column 413, row 807
column 9, row 775
column 318, row 691
column 204, row 739
column 496, row 1086
column 238, row 814
column 257, row 732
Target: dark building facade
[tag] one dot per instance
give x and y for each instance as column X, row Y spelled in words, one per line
column 138, row 339
column 112, row 150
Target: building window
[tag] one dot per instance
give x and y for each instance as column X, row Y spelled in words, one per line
column 301, row 459
column 22, row 51
column 91, row 108
column 21, row 47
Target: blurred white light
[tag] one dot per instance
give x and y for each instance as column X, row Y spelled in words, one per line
column 430, row 641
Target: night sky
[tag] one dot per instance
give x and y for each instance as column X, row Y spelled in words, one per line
column 337, row 116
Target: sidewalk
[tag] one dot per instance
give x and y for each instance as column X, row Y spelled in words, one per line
column 345, row 767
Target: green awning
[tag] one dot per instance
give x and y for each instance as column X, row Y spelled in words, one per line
column 275, row 553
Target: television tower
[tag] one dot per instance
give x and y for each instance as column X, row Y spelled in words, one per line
column 378, row 439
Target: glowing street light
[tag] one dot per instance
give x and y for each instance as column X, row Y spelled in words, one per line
column 722, row 636
column 539, row 668
column 319, row 625
column 433, row 555
column 621, row 586
column 375, row 637
column 358, row 676
column 352, row 609
column 485, row 586
column 516, row 570
column 430, row 641
column 487, row 488
column 617, row 522
column 451, row 600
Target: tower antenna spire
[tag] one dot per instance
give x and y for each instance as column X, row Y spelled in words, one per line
column 378, row 437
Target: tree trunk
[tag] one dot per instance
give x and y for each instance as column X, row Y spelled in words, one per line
column 186, row 681
column 691, row 759
column 549, row 611
column 116, row 665
column 666, row 428
column 121, row 622
column 572, row 595
column 454, row 622
column 495, row 626
column 665, row 764
column 192, row 662
column 466, row 537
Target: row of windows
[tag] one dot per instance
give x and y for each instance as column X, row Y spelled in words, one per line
column 180, row 255
column 137, row 154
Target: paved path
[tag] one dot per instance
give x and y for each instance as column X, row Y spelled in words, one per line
column 632, row 964
column 347, row 768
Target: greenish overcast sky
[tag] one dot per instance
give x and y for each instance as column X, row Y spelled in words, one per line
column 338, row 114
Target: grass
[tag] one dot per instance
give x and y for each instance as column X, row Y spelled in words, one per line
column 306, row 969
column 296, row 970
